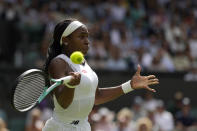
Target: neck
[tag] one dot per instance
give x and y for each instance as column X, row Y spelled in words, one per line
column 66, row 51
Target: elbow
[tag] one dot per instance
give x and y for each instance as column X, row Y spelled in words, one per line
column 64, row 98
column 97, row 101
column 64, row 106
column 64, row 103
column 98, row 97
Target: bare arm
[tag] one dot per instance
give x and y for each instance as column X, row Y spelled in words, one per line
column 64, row 95
column 104, row 95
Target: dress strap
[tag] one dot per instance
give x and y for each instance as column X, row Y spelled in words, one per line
column 67, row 60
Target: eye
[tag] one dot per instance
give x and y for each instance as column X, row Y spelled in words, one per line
column 83, row 36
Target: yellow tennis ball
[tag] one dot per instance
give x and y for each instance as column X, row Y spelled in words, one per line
column 77, row 57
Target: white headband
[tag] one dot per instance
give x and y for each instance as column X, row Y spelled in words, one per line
column 70, row 29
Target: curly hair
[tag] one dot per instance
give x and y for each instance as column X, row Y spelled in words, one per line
column 55, row 48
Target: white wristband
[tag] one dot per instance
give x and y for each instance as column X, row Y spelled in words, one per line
column 69, row 86
column 126, row 87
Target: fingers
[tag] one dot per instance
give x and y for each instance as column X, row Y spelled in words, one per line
column 153, row 83
column 150, row 77
column 153, row 80
column 75, row 74
column 76, row 78
column 150, row 89
column 138, row 70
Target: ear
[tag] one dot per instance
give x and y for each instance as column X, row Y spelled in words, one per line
column 64, row 39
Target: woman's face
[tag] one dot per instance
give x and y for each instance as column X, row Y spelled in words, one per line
column 79, row 41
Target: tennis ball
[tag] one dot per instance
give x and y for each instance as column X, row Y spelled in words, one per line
column 77, row 57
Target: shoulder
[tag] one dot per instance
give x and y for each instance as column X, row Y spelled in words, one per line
column 58, row 67
column 57, row 62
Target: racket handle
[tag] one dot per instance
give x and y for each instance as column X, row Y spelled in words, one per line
column 57, row 83
column 66, row 79
column 63, row 79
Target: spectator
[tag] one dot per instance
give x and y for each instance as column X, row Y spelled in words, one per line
column 3, row 125
column 163, row 118
column 105, row 122
column 175, row 105
column 193, row 44
column 162, row 62
column 192, row 74
column 34, row 122
column 124, row 120
column 181, row 61
column 3, row 115
column 151, row 116
column 144, row 124
column 184, row 117
column 149, row 103
column 117, row 11
column 97, row 54
column 137, row 11
column 116, row 60
column 115, row 34
column 137, row 109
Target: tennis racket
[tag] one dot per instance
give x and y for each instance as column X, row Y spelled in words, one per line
column 31, row 88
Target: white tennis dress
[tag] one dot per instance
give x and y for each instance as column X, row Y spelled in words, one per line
column 75, row 117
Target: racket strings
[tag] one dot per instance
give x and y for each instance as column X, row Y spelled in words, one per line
column 28, row 91
column 27, row 98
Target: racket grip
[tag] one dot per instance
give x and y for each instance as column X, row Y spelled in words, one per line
column 66, row 79
column 63, row 79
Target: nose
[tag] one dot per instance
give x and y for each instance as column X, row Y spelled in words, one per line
column 87, row 42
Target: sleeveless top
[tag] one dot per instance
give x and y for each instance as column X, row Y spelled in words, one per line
column 84, row 94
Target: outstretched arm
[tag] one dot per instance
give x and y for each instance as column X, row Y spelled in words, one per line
column 104, row 95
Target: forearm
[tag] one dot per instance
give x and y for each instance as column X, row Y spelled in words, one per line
column 104, row 95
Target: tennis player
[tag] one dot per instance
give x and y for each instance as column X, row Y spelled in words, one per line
column 74, row 101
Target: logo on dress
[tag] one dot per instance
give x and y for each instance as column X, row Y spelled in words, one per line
column 84, row 71
column 75, row 122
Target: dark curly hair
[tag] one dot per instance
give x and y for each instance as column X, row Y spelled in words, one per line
column 55, row 48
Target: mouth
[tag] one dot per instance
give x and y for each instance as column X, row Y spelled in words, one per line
column 86, row 47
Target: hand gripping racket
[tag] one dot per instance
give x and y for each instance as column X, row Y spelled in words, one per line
column 31, row 88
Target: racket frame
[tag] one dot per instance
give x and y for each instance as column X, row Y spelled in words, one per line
column 19, row 78
column 46, row 89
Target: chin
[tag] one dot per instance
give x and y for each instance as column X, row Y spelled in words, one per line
column 84, row 52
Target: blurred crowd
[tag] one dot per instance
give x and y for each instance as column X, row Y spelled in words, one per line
column 161, row 35
column 145, row 113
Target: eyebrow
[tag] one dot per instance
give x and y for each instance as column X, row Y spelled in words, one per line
column 84, row 32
